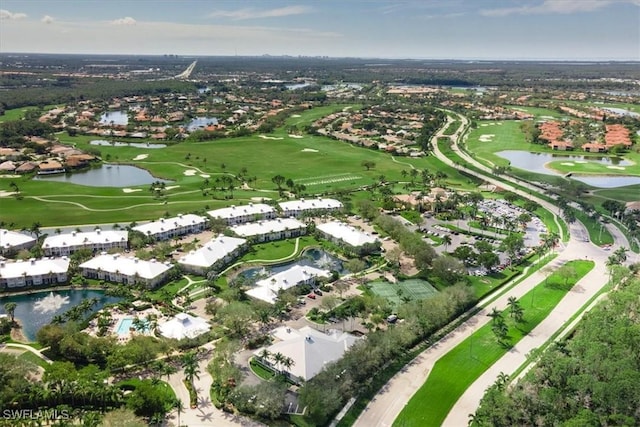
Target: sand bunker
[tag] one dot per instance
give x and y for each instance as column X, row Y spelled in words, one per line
column 204, row 175
column 309, row 150
column 141, row 157
column 296, row 136
column 6, row 193
column 620, row 168
column 567, row 164
column 269, row 137
column 171, row 187
column 486, row 137
column 484, row 124
column 190, row 172
column 131, row 190
column 296, row 116
column 260, row 199
column 581, row 161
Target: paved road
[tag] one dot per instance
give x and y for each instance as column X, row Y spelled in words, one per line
column 385, row 407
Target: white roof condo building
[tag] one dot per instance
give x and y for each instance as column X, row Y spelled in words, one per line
column 280, row 228
column 267, row 289
column 245, row 213
column 309, row 349
column 184, row 326
column 119, row 269
column 167, row 228
column 45, row 271
column 346, row 233
column 214, row 254
column 14, row 240
column 97, row 240
column 299, row 207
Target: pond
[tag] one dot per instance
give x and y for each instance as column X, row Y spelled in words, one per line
column 310, row 257
column 612, row 181
column 115, row 118
column 535, row 162
column 104, row 143
column 107, row 175
column 36, row 310
column 201, row 123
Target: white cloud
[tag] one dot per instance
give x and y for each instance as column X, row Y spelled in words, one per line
column 556, row 7
column 251, row 13
column 127, row 20
column 5, row 14
column 47, row 19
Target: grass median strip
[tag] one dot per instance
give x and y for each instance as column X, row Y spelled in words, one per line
column 460, row 367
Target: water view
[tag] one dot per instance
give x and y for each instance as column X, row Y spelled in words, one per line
column 107, row 175
column 201, row 123
column 104, row 143
column 535, row 162
column 115, row 118
column 311, row 257
column 608, row 181
column 37, row 309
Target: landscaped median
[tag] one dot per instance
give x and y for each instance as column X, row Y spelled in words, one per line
column 458, row 369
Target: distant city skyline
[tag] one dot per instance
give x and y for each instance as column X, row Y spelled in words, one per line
column 571, row 30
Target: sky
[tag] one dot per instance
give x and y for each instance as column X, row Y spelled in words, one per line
column 419, row 29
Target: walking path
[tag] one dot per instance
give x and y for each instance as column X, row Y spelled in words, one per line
column 31, row 349
column 389, row 402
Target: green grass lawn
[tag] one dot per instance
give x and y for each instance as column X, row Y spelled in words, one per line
column 460, row 367
column 278, row 249
column 394, row 292
column 30, row 357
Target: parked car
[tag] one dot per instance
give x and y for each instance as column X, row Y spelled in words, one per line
column 317, row 292
column 312, row 296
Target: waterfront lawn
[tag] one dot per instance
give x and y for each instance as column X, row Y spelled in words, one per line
column 460, row 367
column 277, row 250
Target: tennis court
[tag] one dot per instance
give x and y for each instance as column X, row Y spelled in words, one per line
column 413, row 289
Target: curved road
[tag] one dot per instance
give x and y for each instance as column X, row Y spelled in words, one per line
column 385, row 407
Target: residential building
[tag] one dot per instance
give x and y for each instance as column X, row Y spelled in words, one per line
column 168, row 228
column 120, row 269
column 96, row 241
column 317, row 206
column 309, row 350
column 183, row 326
column 594, row 147
column 245, row 213
column 349, row 237
column 41, row 272
column 267, row 289
column 275, row 229
column 12, row 240
column 213, row 255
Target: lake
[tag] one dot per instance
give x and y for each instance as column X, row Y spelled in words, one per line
column 310, row 257
column 612, row 181
column 36, row 310
column 106, row 176
column 535, row 162
column 115, row 117
column 103, row 143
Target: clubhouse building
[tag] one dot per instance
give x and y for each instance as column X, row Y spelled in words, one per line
column 34, row 272
column 168, row 228
column 297, row 208
column 130, row 271
column 96, row 241
column 234, row 215
column 275, row 229
column 214, row 255
column 12, row 240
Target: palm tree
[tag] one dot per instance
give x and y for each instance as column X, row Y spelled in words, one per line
column 446, row 241
column 515, row 310
column 278, row 360
column 10, row 308
column 191, row 367
column 265, row 355
column 178, row 405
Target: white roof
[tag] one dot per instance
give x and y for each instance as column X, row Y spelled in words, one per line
column 267, row 289
column 9, row 239
column 268, row 226
column 184, row 325
column 309, row 349
column 310, row 204
column 127, row 266
column 346, row 233
column 85, row 238
column 215, row 250
column 33, row 267
column 237, row 211
column 167, row 224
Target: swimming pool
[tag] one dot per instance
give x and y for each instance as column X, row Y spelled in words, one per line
column 124, row 326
